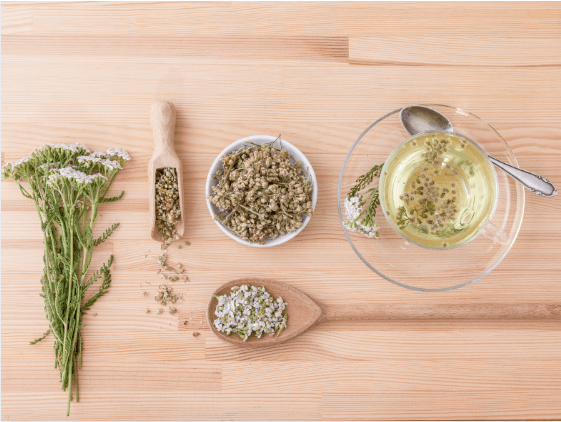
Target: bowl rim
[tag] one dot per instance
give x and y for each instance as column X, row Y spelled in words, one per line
column 342, row 220
column 295, row 153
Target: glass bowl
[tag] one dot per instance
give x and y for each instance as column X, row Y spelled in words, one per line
column 411, row 266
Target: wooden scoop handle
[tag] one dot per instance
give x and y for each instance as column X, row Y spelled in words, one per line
column 483, row 311
column 162, row 118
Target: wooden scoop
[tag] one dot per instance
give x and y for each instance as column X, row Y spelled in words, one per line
column 162, row 117
column 303, row 312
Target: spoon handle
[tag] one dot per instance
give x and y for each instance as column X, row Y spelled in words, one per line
column 531, row 181
column 162, row 118
column 483, row 311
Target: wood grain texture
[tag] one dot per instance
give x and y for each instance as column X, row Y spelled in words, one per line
column 319, row 74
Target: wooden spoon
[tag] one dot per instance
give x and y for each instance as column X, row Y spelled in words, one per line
column 162, row 117
column 304, row 312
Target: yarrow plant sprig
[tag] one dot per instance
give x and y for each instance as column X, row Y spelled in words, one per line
column 67, row 184
column 360, row 207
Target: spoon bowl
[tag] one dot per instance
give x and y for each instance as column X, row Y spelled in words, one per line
column 418, row 119
column 304, row 312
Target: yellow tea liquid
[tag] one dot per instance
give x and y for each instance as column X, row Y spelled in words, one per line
column 438, row 189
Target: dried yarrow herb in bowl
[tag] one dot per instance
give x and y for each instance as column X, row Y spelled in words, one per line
column 250, row 310
column 261, row 191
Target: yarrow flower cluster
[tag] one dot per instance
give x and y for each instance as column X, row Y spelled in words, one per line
column 21, row 161
column 75, row 175
column 75, row 148
column 116, row 152
column 91, row 159
column 49, row 166
column 354, row 223
column 70, row 161
column 250, row 310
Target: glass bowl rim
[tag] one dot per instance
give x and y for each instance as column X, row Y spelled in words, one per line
column 341, row 219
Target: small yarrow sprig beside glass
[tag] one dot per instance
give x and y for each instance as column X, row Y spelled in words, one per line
column 360, row 205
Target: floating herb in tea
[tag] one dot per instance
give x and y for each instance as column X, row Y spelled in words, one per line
column 439, row 189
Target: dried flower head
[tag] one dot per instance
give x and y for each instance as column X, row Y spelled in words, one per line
column 166, row 295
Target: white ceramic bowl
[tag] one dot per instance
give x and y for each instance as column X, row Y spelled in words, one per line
column 295, row 155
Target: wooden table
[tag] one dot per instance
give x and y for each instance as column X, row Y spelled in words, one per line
column 318, row 74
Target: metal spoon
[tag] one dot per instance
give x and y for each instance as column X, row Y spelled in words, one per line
column 419, row 119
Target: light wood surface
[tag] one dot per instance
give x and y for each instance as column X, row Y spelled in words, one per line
column 318, row 74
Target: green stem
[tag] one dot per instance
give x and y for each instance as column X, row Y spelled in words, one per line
column 67, row 379
column 69, row 390
column 76, row 380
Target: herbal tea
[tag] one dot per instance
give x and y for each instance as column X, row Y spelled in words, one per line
column 437, row 190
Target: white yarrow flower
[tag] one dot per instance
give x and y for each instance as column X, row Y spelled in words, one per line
column 111, row 165
column 89, row 159
column 21, row 161
column 74, row 175
column 77, row 147
column 117, row 152
column 250, row 310
column 7, row 170
column 352, row 209
column 353, row 224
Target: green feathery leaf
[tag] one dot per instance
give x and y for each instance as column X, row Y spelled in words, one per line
column 40, row 338
column 106, row 235
column 114, row 198
column 365, row 180
column 103, row 289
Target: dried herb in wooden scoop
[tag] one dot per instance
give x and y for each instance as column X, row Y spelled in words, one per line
column 165, row 177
